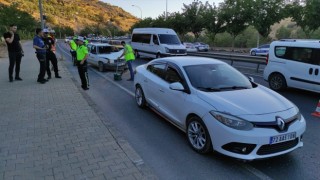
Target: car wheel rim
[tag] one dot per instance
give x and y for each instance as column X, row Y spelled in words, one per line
column 139, row 96
column 197, row 135
column 276, row 82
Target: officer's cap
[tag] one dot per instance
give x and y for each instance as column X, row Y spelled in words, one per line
column 45, row 30
column 80, row 38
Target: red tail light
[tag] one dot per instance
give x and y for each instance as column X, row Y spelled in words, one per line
column 267, row 58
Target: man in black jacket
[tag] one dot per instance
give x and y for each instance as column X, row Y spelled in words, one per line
column 50, row 55
column 15, row 51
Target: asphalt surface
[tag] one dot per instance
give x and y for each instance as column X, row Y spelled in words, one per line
column 164, row 148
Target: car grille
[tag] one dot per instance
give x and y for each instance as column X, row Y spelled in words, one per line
column 119, row 61
column 273, row 124
column 275, row 148
column 177, row 51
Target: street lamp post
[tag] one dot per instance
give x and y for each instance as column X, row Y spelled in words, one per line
column 139, row 9
column 41, row 14
column 166, row 15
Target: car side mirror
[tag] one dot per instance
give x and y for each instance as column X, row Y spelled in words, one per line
column 251, row 79
column 176, row 86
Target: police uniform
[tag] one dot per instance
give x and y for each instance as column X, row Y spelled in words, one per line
column 82, row 53
column 73, row 50
column 50, row 56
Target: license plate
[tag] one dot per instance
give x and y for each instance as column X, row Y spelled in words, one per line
column 282, row 138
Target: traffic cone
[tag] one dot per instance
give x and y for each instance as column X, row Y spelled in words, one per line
column 317, row 112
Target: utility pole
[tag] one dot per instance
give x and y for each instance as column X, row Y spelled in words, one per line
column 166, row 15
column 41, row 14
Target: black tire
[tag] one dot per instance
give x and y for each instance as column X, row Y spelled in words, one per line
column 198, row 136
column 277, row 82
column 140, row 98
column 100, row 66
column 253, row 53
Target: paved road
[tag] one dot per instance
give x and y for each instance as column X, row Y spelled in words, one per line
column 53, row 131
column 165, row 149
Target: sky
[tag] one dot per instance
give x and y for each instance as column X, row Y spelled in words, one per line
column 153, row 8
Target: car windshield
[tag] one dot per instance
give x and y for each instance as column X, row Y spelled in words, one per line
column 216, row 77
column 107, row 49
column 169, row 39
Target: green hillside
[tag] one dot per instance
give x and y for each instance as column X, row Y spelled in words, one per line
column 76, row 13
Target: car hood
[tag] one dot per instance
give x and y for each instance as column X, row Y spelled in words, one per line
column 113, row 55
column 255, row 101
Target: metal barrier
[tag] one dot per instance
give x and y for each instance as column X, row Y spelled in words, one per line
column 233, row 57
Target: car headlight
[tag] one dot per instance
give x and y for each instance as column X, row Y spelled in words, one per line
column 298, row 115
column 232, row 121
column 167, row 50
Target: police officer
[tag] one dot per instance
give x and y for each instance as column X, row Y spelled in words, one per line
column 73, row 46
column 82, row 55
column 129, row 57
column 50, row 55
column 41, row 50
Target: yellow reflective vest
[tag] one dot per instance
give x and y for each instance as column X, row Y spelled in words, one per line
column 129, row 55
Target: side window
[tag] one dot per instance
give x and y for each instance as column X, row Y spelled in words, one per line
column 157, row 69
column 141, row 38
column 172, row 76
column 295, row 53
column 93, row 50
column 155, row 40
column 316, row 57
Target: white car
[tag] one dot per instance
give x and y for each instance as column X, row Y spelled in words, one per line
column 105, row 56
column 201, row 46
column 190, row 47
column 262, row 50
column 219, row 108
column 293, row 63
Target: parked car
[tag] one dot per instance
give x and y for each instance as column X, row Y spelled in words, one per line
column 201, row 46
column 262, row 50
column 105, row 56
column 293, row 63
column 190, row 47
column 219, row 108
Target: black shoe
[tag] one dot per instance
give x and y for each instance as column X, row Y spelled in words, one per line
column 130, row 79
column 57, row 76
column 85, row 88
column 18, row 79
column 49, row 77
column 42, row 81
column 10, row 80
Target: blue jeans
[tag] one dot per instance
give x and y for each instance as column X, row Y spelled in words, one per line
column 130, row 69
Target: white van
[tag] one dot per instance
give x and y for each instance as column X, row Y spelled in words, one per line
column 156, row 42
column 294, row 63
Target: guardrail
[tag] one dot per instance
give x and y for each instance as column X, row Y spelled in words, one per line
column 233, row 57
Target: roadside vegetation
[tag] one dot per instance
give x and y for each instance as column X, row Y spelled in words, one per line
column 241, row 23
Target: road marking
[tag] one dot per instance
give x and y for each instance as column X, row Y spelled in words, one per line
column 256, row 172
column 251, row 169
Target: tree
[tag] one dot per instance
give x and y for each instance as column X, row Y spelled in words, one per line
column 214, row 23
column 194, row 20
column 265, row 13
column 283, row 33
column 236, row 14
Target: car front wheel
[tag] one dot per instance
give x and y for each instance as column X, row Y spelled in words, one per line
column 100, row 66
column 140, row 99
column 198, row 136
column 277, row 82
column 253, row 53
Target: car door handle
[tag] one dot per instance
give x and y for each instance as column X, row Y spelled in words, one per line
column 161, row 90
column 310, row 71
column 316, row 72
